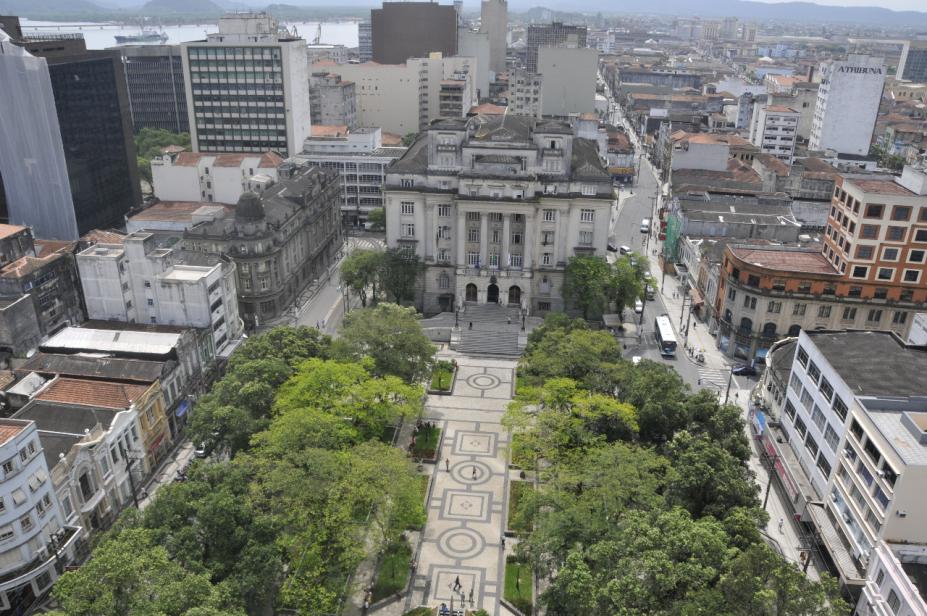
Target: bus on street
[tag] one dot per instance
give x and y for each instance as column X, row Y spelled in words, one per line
column 663, row 332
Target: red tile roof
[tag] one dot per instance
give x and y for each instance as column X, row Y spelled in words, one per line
column 881, row 187
column 391, row 139
column 176, row 210
column 8, row 230
column 9, row 430
column 102, row 394
column 100, row 236
column 783, row 260
column 487, row 109
column 780, row 109
column 188, row 159
column 335, row 130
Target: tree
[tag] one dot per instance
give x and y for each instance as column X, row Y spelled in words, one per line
column 627, row 283
column 292, row 345
column 575, row 353
column 360, row 272
column 377, row 219
column 587, row 285
column 130, row 573
column 148, row 144
column 392, row 337
column 409, row 138
column 398, row 273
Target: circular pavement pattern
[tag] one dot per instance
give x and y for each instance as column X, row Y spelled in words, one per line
column 461, row 543
column 483, row 381
column 463, row 472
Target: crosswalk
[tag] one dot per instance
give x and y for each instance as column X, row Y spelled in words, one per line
column 365, row 243
column 711, row 377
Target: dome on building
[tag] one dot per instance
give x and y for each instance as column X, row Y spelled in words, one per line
column 249, row 207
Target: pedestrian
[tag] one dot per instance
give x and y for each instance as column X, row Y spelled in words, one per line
column 473, row 476
column 471, row 325
column 781, row 522
column 471, row 596
column 503, row 542
column 447, row 464
column 509, row 319
column 412, row 566
column 457, row 583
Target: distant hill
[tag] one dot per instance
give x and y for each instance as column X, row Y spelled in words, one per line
column 165, row 8
column 744, row 9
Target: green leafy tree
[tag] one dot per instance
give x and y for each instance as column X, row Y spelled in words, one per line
column 377, row 219
column 291, row 345
column 588, row 285
column 130, row 573
column 360, row 271
column 409, row 138
column 398, row 273
column 627, row 283
column 148, row 144
column 574, row 353
column 392, row 337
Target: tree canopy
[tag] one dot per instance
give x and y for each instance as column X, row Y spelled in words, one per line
column 592, row 285
column 148, row 144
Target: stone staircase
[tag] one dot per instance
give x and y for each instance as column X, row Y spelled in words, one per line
column 488, row 342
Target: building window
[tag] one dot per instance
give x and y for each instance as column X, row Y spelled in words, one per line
column 547, row 238
column 473, row 259
column 545, row 258
column 869, row 232
column 916, row 256
column 795, row 383
column 798, row 310
column 899, row 318
column 444, row 255
column 889, row 254
column 860, row 271
column 827, row 390
column 473, row 235
column 849, row 314
column 585, row 238
column 408, row 230
column 550, row 215
column 831, row 438
column 473, row 216
column 823, row 312
column 920, row 235
column 731, row 294
column 444, row 281
column 811, row 445
column 901, row 212
column 790, row 409
column 25, row 522
column 517, row 261
column 886, row 273
column 895, row 234
column 496, row 234
column 587, row 215
column 874, row 210
column 150, row 302
column 749, row 302
column 912, row 275
column 407, row 207
column 516, row 238
column 800, row 427
column 823, row 465
column 444, row 210
column 817, row 416
column 874, row 316
column 493, row 259
column 774, row 307
column 806, row 400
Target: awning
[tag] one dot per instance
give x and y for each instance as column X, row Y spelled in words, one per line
column 850, row 572
column 759, row 422
column 182, row 408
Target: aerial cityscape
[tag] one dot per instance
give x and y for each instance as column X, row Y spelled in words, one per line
column 463, row 308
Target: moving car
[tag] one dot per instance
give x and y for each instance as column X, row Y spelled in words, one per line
column 651, row 292
column 745, row 370
column 636, row 359
column 638, row 306
column 645, row 225
column 612, row 248
column 625, row 250
column 200, row 451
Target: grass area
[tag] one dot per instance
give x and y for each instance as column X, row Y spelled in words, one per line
column 423, row 485
column 426, row 442
column 394, row 571
column 517, row 492
column 521, row 457
column 442, row 377
column 518, row 583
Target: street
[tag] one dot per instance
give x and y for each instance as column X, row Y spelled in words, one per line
column 633, row 205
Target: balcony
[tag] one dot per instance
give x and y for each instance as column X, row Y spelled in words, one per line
column 91, row 503
column 24, row 575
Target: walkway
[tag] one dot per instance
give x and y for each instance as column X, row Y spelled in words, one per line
column 468, row 500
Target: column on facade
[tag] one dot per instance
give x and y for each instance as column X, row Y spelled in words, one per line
column 506, row 236
column 459, row 233
column 484, row 239
column 529, row 239
column 431, row 241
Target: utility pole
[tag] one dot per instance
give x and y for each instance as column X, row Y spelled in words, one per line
column 730, row 379
column 770, row 468
column 130, row 462
column 682, row 310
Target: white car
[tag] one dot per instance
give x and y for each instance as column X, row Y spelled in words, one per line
column 638, row 306
column 636, row 359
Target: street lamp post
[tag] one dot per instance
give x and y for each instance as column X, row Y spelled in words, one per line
column 730, row 379
column 770, row 468
column 524, row 315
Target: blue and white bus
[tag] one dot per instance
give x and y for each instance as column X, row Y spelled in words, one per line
column 663, row 331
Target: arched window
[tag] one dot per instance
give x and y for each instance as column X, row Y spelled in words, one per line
column 444, row 281
column 769, row 330
column 746, row 325
column 793, row 331
column 471, row 292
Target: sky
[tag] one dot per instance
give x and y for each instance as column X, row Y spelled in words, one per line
column 896, row 5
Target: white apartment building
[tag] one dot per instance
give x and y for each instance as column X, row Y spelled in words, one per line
column 854, row 415
column 247, row 87
column 193, row 176
column 893, row 587
column 775, row 131
column 525, row 92
column 494, row 20
column 149, row 280
column 568, row 80
column 475, row 44
column 404, row 98
column 33, row 531
column 360, row 159
column 495, row 206
column 847, row 105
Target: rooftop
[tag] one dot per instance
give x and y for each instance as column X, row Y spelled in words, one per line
column 9, row 429
column 8, row 230
column 486, row 109
column 178, row 211
column 880, row 187
column 900, row 371
column 112, row 341
column 782, row 259
column 65, row 419
column 192, row 159
column 93, row 367
column 779, row 109
column 710, row 138
column 319, row 130
column 101, row 236
column 100, row 394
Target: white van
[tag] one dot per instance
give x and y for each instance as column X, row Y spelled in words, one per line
column 645, row 225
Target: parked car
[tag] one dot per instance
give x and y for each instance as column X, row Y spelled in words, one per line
column 638, row 306
column 636, row 359
column 625, row 250
column 651, row 292
column 200, row 451
column 745, row 370
column 645, row 225
column 612, row 248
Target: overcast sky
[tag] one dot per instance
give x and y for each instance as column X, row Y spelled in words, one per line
column 897, row 5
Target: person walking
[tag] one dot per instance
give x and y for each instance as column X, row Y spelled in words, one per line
column 447, row 464
column 781, row 522
column 471, row 325
column 473, row 475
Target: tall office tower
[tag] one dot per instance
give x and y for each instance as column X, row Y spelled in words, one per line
column 154, row 75
column 247, row 87
column 34, row 182
column 913, row 63
column 403, row 30
column 554, row 34
column 847, row 105
column 92, row 107
column 364, row 41
column 494, row 21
